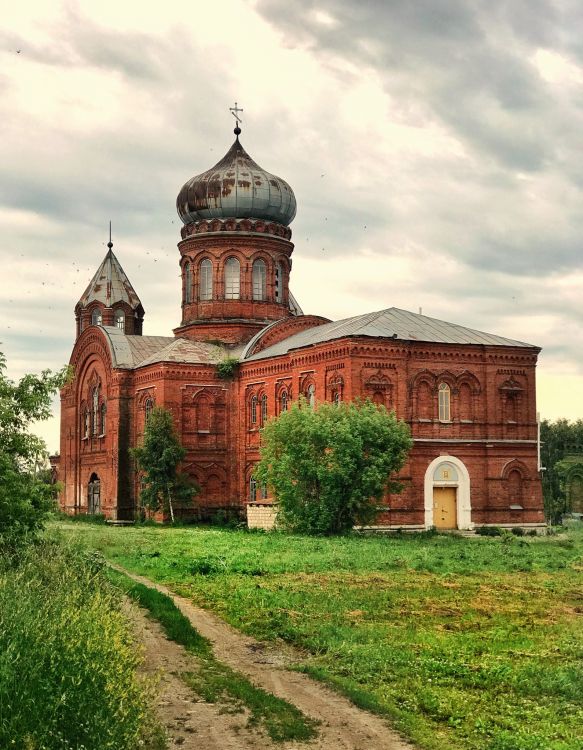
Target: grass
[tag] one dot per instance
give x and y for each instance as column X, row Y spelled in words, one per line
column 472, row 644
column 214, row 681
column 69, row 664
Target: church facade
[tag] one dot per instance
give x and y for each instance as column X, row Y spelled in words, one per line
column 244, row 350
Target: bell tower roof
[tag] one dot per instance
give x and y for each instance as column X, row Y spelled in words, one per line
column 110, row 285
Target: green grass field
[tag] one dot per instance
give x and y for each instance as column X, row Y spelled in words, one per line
column 462, row 643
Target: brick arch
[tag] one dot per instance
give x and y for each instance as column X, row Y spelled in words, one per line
column 446, row 376
column 515, row 465
column 468, row 378
column 280, row 330
column 424, row 376
column 423, row 389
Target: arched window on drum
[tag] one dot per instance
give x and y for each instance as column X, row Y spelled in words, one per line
column 187, row 283
column 259, row 280
column 232, row 279
column 205, row 291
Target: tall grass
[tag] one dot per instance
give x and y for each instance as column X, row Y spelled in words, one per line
column 68, row 659
column 465, row 644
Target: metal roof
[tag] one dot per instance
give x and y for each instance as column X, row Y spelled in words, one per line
column 393, row 323
column 131, row 352
column 110, row 285
column 236, row 187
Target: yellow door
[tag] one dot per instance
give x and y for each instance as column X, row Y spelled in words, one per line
column 444, row 508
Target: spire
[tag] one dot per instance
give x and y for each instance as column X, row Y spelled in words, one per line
column 110, row 284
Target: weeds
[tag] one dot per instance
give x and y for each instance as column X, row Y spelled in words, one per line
column 472, row 644
column 215, row 681
column 68, row 660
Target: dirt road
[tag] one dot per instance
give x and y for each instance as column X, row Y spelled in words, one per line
column 192, row 723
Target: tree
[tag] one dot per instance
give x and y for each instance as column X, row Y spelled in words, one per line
column 559, row 439
column 158, row 458
column 25, row 494
column 329, row 467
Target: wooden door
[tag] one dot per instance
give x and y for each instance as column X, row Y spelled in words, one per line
column 444, row 508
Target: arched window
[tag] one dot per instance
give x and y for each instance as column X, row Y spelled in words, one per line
column 93, row 495
column 263, row 409
column 232, row 279
column 253, row 410
column 148, row 406
column 311, row 395
column 205, row 291
column 278, row 282
column 252, row 489
column 102, row 419
column 120, row 319
column 95, row 411
column 259, row 280
column 283, row 401
column 86, row 423
column 336, row 397
column 187, row 283
column 444, row 403
column 96, row 317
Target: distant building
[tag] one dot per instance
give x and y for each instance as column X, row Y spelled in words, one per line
column 469, row 397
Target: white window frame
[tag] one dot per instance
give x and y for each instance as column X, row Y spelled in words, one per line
column 205, row 284
column 232, row 278
column 259, row 278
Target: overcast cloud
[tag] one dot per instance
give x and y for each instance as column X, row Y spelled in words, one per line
column 435, row 149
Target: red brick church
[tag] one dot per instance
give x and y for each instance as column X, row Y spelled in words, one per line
column 468, row 396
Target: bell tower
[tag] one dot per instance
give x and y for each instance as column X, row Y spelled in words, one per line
column 110, row 299
column 235, row 249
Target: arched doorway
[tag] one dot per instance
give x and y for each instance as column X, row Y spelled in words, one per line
column 447, row 494
column 94, row 495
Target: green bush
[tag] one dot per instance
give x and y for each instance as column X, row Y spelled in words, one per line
column 488, row 530
column 68, row 659
column 330, row 467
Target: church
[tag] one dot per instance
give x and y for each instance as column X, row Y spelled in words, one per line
column 244, row 350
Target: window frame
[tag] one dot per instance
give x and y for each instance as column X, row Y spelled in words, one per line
column 187, row 283
column 205, row 280
column 259, row 280
column 444, row 402
column 119, row 319
column 232, row 278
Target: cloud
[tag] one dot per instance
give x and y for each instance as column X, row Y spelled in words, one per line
column 434, row 149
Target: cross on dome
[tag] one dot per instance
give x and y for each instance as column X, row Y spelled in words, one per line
column 235, row 112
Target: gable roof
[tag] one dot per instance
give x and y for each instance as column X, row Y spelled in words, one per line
column 393, row 323
column 110, row 285
column 131, row 352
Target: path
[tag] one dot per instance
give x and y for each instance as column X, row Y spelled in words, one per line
column 197, row 724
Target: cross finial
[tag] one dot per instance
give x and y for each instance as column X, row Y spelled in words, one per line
column 110, row 243
column 235, row 112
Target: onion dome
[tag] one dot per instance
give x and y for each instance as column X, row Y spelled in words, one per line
column 237, row 188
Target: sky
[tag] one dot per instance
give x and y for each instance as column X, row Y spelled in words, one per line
column 435, row 149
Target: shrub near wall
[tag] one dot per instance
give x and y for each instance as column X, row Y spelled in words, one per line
column 68, row 660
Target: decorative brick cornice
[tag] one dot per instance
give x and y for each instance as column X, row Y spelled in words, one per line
column 234, row 226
